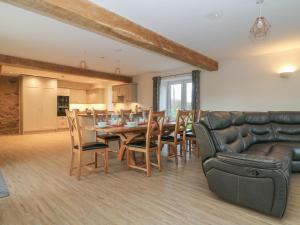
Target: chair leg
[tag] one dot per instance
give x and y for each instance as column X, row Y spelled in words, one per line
column 79, row 166
column 180, row 149
column 184, row 150
column 190, row 145
column 174, row 147
column 106, row 160
column 158, row 156
column 128, row 157
column 72, row 162
column 96, row 159
column 119, row 143
column 148, row 163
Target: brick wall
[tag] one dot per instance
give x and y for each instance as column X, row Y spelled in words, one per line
column 9, row 105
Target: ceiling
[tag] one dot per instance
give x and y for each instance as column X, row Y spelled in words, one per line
column 189, row 22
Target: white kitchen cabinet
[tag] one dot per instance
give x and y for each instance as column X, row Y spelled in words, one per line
column 96, row 96
column 78, row 96
column 39, row 104
column 124, row 93
column 62, row 122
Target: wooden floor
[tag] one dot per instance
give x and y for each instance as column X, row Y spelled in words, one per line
column 41, row 191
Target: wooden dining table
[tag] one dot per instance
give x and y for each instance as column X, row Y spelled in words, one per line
column 127, row 134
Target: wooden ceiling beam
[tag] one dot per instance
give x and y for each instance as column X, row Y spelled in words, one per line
column 52, row 67
column 92, row 17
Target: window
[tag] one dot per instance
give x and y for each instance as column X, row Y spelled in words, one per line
column 179, row 96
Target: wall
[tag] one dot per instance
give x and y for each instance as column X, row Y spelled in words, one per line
column 9, row 105
column 250, row 84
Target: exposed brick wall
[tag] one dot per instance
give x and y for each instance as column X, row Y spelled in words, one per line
column 9, row 105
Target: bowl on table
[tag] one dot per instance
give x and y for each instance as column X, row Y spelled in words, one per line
column 131, row 124
column 102, row 124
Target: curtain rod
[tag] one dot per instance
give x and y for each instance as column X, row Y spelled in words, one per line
column 175, row 75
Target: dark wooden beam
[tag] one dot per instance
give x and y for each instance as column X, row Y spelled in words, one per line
column 92, row 17
column 52, row 67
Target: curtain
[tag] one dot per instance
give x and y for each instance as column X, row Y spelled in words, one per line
column 156, row 93
column 196, row 89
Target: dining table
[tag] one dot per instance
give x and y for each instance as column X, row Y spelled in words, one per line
column 129, row 133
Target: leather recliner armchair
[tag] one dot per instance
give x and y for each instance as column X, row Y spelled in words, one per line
column 247, row 157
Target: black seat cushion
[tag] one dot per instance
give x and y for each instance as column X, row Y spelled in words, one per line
column 141, row 144
column 108, row 136
column 190, row 134
column 92, row 146
column 170, row 138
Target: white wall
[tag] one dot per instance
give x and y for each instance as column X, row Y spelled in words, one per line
column 251, row 83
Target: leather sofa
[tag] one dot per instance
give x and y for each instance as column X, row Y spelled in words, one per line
column 248, row 157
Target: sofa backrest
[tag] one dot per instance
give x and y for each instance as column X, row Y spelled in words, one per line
column 236, row 131
column 286, row 125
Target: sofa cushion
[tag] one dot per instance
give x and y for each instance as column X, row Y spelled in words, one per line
column 295, row 146
column 228, row 140
column 259, row 149
column 257, row 117
column 275, row 151
column 286, row 132
column 289, row 117
column 262, row 132
column 217, row 120
column 237, row 118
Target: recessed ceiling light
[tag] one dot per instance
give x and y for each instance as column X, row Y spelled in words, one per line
column 215, row 15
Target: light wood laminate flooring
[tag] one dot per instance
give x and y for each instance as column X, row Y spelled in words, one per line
column 36, row 167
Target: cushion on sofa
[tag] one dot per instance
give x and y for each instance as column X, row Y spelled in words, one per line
column 228, row 140
column 217, row 120
column 288, row 117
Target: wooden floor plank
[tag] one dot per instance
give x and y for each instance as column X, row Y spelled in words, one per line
column 35, row 168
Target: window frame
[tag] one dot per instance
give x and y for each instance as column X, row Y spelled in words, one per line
column 183, row 83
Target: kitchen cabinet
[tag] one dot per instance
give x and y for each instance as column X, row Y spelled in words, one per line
column 78, row 96
column 39, row 102
column 124, row 93
column 96, row 96
column 62, row 122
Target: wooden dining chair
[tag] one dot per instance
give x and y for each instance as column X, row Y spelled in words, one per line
column 151, row 143
column 125, row 114
column 106, row 138
column 80, row 148
column 179, row 136
column 191, row 139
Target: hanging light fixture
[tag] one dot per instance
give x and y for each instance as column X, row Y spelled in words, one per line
column 261, row 26
column 83, row 64
column 118, row 71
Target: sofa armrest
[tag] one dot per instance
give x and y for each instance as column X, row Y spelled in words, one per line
column 257, row 182
column 245, row 160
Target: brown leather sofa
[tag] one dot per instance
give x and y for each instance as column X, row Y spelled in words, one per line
column 248, row 157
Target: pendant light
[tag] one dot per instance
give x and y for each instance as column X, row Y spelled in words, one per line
column 261, row 26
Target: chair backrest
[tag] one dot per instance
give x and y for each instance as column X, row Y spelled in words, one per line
column 74, row 128
column 183, row 117
column 102, row 114
column 125, row 113
column 195, row 118
column 155, row 126
column 145, row 114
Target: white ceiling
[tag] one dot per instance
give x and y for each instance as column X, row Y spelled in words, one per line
column 188, row 22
